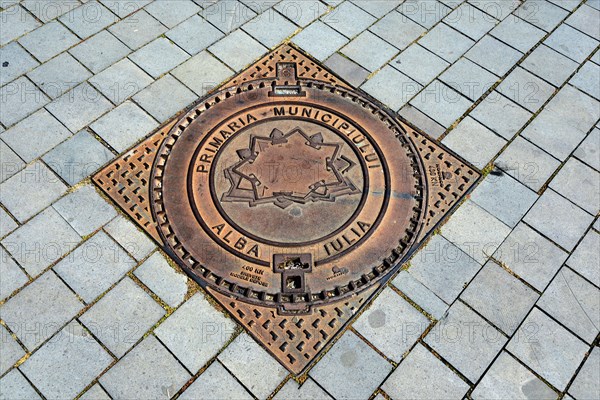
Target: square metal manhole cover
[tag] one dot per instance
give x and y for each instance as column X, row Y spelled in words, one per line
column 289, row 196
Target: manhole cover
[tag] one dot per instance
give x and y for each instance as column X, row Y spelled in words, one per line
column 290, row 196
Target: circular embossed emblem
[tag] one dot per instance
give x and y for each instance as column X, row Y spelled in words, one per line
column 290, row 195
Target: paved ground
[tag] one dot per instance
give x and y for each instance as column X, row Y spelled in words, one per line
column 504, row 303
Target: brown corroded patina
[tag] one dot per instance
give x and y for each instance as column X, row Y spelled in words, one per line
column 290, row 197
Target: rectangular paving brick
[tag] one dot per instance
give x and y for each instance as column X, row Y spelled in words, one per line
column 550, row 65
column 586, row 19
column 585, row 384
column 320, row 40
column 588, row 151
column 11, row 352
column 557, row 353
column 391, row 87
column 194, row 34
column 15, row 62
column 46, row 11
column 202, row 73
column 377, row 8
column 269, row 28
column 51, row 77
column 227, row 15
column 172, row 12
column 48, row 40
column 12, row 276
column 85, row 210
column 72, row 352
column 165, row 98
column 121, row 81
column 40, row 310
column 137, row 29
column 301, row 13
column 15, row 386
column 130, row 237
column 18, row 99
column 369, row 51
column 494, row 55
column 419, row 63
column 585, row 79
column 100, row 51
column 501, row 115
column 526, row 89
column 441, row 103
column 572, row 43
column 10, row 164
column 308, row 390
column 349, row 19
column 94, row 267
column 468, row 78
column 471, row 21
column 542, row 14
column 585, row 259
column 163, row 280
column 347, row 69
column 421, row 366
column 397, row 29
column 426, row 14
column 215, row 383
column 518, row 33
column 87, row 19
column 196, row 332
column 37, row 184
column 120, row 330
column 159, row 56
column 16, row 21
column 237, row 49
column 580, row 184
column 420, row 294
column 446, row 42
column 149, row 371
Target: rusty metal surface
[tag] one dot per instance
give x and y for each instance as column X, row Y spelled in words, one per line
column 290, row 197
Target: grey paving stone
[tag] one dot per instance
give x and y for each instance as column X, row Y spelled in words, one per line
column 586, row 385
column 163, row 280
column 87, row 19
column 422, row 121
column 585, row 259
column 419, row 64
column 51, row 77
column 48, row 40
column 308, row 390
column 35, row 135
column 10, row 164
column 446, row 42
column 501, row 298
column 588, row 150
column 426, row 14
column 580, row 184
column 466, row 341
column 548, row 349
column 95, row 393
column 121, row 81
column 241, row 358
column 124, row 8
column 550, row 65
column 34, row 249
column 501, row 115
column 215, row 383
column 15, row 62
column 586, row 19
column 574, row 302
column 164, row 98
column 16, row 21
column 471, row 21
column 338, row 369
column 420, row 366
column 347, row 69
column 586, row 80
column 194, row 34
column 441, row 103
column 475, row 231
column 497, row 9
column 531, row 256
column 37, row 184
column 237, row 49
column 420, row 294
column 7, row 224
column 159, row 56
column 14, row 386
column 542, row 14
column 46, row 11
column 349, row 20
column 526, row 89
column 396, row 28
column 12, row 278
column 473, row 141
column 320, row 40
column 100, row 51
column 228, row 15
column 494, row 55
column 119, row 331
column 377, row 8
column 172, row 12
column 18, row 99
column 558, row 219
column 301, row 13
column 570, row 112
column 196, row 332
column 65, row 365
column 202, row 73
column 518, row 33
column 527, row 163
column 391, row 324
column 124, row 126
column 504, row 197
column 79, row 107
column 369, row 51
column 571, row 43
column 40, row 310
column 443, row 268
column 568, row 5
column 137, row 29
column 130, row 237
column 94, row 267
column 391, row 87
column 468, row 78
column 78, row 157
column 508, row 379
column 149, row 371
column 11, row 351
column 269, row 28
